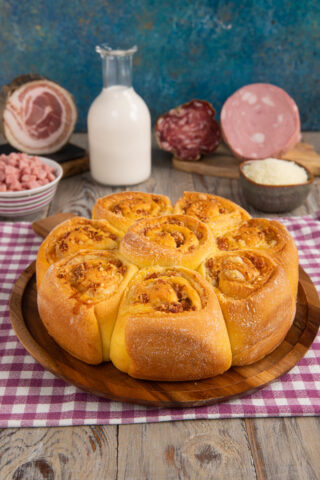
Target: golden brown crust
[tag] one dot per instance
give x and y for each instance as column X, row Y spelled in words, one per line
column 167, row 241
column 170, row 327
column 267, row 236
column 217, row 212
column 256, row 300
column 73, row 235
column 78, row 301
column 124, row 208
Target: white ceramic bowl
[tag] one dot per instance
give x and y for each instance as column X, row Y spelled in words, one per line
column 25, row 202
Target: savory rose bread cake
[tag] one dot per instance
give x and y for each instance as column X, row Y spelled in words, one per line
column 168, row 293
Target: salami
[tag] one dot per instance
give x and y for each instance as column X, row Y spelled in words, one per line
column 260, row 121
column 189, row 130
column 37, row 115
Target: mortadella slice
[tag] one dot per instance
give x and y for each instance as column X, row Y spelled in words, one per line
column 260, row 121
column 189, row 130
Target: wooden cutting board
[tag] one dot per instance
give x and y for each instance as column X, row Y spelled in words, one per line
column 43, row 226
column 222, row 163
column 108, row 382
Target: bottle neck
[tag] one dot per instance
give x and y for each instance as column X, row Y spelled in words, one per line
column 117, row 70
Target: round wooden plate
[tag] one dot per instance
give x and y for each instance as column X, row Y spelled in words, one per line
column 106, row 381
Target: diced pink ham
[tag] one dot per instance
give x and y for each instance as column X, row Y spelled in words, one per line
column 28, row 173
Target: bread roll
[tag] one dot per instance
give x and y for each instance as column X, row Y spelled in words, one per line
column 218, row 213
column 124, row 208
column 69, row 237
column 256, row 300
column 170, row 327
column 78, row 301
column 266, row 236
column 170, row 240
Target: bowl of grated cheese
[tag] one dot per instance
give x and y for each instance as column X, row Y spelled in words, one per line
column 274, row 185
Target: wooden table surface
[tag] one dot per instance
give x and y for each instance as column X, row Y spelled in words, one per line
column 263, row 448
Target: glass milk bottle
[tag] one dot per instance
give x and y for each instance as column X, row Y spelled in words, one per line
column 119, row 124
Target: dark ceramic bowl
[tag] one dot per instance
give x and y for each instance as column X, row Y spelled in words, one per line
column 274, row 198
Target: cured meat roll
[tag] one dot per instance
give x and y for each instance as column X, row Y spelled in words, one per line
column 167, row 241
column 37, row 115
column 266, row 236
column 255, row 297
column 260, row 121
column 124, row 208
column 78, row 301
column 189, row 130
column 218, row 213
column 170, row 327
column 73, row 235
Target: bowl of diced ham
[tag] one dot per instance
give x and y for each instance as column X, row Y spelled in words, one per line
column 27, row 183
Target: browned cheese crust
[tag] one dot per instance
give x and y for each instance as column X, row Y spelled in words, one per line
column 217, row 212
column 266, row 236
column 124, row 208
column 167, row 241
column 69, row 237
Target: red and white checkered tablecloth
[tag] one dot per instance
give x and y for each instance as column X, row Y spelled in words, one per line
column 32, row 396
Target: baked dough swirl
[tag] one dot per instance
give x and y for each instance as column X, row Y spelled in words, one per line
column 268, row 236
column 78, row 301
column 167, row 241
column 124, row 208
column 256, row 300
column 217, row 212
column 73, row 235
column 170, row 327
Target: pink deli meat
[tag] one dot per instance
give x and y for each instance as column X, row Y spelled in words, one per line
column 260, row 121
column 18, row 172
column 37, row 115
column 189, row 130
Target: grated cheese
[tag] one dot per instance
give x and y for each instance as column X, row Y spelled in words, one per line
column 272, row 171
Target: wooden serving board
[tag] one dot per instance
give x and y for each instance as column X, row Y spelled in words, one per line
column 222, row 163
column 106, row 381
column 45, row 225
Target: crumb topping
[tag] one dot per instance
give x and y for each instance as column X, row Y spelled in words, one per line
column 167, row 292
column 238, row 275
column 93, row 278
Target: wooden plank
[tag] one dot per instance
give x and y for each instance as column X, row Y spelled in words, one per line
column 74, row 167
column 193, row 449
column 81, row 453
column 285, row 448
column 222, row 163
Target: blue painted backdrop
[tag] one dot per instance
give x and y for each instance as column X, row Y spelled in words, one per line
column 187, row 49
